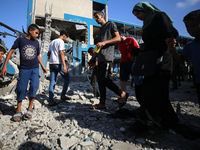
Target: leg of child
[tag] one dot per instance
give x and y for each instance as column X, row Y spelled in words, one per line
column 19, row 103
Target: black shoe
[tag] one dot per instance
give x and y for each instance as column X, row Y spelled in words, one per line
column 65, row 98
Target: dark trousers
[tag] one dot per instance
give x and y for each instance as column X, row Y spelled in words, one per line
column 156, row 98
column 93, row 82
column 104, row 81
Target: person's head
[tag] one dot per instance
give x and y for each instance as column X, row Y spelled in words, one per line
column 123, row 38
column 171, row 42
column 192, row 23
column 145, row 12
column 33, row 31
column 143, row 9
column 2, row 50
column 91, row 51
column 63, row 35
column 99, row 17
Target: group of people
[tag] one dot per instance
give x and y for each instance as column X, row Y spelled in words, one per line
column 158, row 34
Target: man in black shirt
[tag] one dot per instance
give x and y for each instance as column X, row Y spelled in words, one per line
column 107, row 37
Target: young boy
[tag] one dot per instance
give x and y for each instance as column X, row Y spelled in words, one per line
column 57, row 65
column 93, row 63
column 28, row 70
column 2, row 52
column 192, row 49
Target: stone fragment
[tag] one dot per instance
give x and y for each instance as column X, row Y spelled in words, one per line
column 87, row 145
column 67, row 142
column 53, row 125
column 123, row 146
column 96, row 137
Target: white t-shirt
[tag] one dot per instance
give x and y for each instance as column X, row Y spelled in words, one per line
column 54, row 48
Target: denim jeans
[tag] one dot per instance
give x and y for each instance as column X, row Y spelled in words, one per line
column 26, row 75
column 54, row 69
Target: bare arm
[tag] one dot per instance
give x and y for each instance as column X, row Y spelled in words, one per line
column 63, row 61
column 4, row 69
column 114, row 40
column 42, row 65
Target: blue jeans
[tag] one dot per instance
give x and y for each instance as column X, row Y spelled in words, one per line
column 26, row 75
column 54, row 69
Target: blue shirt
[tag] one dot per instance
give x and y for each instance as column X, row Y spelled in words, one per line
column 192, row 51
column 29, row 51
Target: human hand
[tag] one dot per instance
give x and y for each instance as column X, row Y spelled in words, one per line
column 45, row 70
column 64, row 69
column 100, row 44
column 3, row 71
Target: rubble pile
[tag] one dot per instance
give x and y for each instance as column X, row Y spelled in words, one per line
column 72, row 125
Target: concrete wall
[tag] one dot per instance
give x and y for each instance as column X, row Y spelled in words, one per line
column 60, row 7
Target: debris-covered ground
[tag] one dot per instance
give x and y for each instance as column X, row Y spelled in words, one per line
column 73, row 125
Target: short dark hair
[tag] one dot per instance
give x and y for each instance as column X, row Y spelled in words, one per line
column 63, row 32
column 33, row 27
column 2, row 48
column 90, row 50
column 99, row 13
column 193, row 16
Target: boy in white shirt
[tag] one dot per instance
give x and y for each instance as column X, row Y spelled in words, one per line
column 57, row 64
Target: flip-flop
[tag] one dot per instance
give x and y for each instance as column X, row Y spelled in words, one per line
column 30, row 113
column 19, row 114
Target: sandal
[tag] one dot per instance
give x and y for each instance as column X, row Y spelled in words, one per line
column 122, row 101
column 30, row 113
column 98, row 106
column 53, row 103
column 16, row 115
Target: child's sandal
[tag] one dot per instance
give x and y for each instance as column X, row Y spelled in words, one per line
column 30, row 113
column 17, row 115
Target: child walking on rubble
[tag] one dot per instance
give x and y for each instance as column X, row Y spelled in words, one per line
column 93, row 62
column 28, row 69
column 2, row 52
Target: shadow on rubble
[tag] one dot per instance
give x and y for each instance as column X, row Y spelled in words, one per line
column 32, row 146
column 6, row 109
column 109, row 125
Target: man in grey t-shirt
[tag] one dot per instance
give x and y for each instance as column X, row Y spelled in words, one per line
column 107, row 37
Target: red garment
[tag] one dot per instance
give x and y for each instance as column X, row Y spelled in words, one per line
column 125, row 48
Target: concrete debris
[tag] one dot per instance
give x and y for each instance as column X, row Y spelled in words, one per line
column 72, row 125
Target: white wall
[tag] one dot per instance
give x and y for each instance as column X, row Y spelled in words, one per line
column 60, row 7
